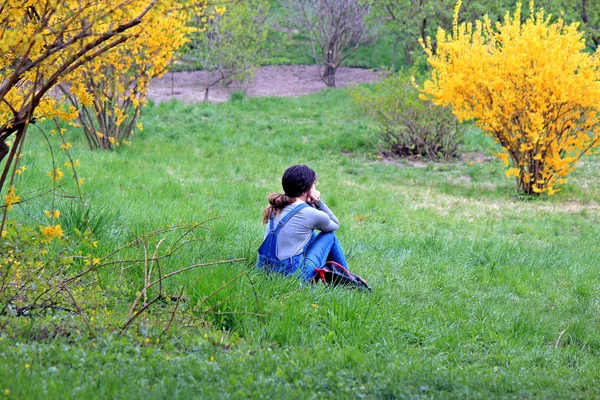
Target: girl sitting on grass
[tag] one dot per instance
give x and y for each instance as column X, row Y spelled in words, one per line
column 291, row 247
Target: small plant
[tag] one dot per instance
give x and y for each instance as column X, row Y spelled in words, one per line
column 229, row 41
column 408, row 125
column 238, row 95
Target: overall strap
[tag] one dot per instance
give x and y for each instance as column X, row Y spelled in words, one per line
column 287, row 217
column 271, row 219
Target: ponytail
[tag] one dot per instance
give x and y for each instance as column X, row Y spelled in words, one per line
column 277, row 202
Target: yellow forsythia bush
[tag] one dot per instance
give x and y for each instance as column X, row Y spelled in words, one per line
column 530, row 85
column 109, row 91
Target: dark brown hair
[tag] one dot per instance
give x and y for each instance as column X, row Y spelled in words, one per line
column 296, row 180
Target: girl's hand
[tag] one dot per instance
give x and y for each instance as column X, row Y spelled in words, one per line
column 314, row 196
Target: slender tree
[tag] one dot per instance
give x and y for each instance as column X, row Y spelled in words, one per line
column 336, row 28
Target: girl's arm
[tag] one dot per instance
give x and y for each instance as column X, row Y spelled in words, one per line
column 324, row 219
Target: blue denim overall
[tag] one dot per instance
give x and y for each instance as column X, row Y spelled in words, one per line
column 319, row 249
column 267, row 252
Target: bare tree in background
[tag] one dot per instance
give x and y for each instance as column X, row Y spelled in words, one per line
column 336, row 28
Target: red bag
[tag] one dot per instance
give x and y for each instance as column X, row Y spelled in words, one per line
column 333, row 274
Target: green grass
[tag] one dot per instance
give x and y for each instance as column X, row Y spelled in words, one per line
column 472, row 286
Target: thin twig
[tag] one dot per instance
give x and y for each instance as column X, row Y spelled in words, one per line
column 174, row 310
column 124, row 327
column 559, row 337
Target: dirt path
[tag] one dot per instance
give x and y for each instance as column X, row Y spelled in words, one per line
column 279, row 81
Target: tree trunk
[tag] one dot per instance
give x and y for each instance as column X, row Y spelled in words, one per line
column 331, row 62
column 3, row 150
column 395, row 53
column 11, row 157
column 329, row 75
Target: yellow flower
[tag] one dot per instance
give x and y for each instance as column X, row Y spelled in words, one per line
column 147, row 340
column 111, row 139
column 56, row 176
column 212, row 359
column 11, row 198
column 52, row 214
column 68, row 165
column 76, row 163
column 26, row 366
column 100, row 135
column 51, row 232
column 66, row 146
column 81, row 181
column 220, row 10
column 513, row 172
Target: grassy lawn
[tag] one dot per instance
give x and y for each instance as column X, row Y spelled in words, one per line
column 476, row 293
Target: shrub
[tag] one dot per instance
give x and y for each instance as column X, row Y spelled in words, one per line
column 229, row 41
column 530, row 85
column 110, row 91
column 408, row 125
column 43, row 44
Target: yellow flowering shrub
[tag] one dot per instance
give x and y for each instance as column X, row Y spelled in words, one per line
column 530, row 85
column 32, row 269
column 42, row 43
column 109, row 91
